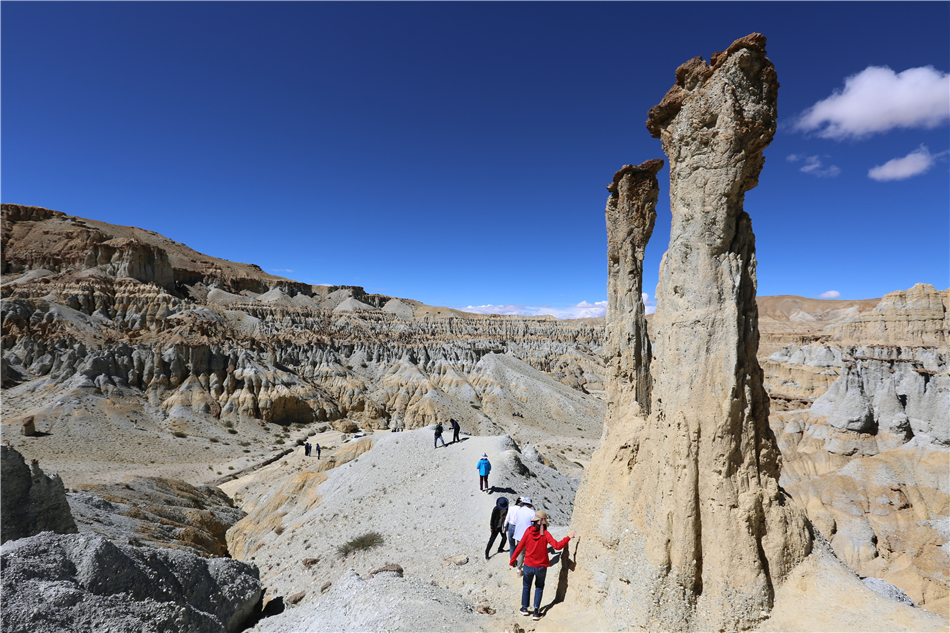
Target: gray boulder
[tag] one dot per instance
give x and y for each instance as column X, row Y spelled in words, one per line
column 53, row 583
column 30, row 500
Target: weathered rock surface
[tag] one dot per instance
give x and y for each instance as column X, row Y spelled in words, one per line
column 631, row 213
column 686, row 522
column 81, row 582
column 156, row 511
column 866, row 451
column 33, row 501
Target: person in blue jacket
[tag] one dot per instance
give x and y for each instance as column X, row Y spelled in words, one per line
column 484, row 467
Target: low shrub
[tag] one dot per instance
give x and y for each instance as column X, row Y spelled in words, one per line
column 179, row 434
column 363, row 542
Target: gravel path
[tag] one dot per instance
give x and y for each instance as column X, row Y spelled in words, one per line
column 426, row 504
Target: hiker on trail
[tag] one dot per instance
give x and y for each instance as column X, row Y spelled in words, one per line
column 317, row 447
column 484, row 467
column 534, row 547
column 438, row 436
column 455, row 430
column 509, row 526
column 496, row 524
column 522, row 522
column 306, row 449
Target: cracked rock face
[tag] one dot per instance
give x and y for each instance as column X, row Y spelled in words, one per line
column 687, row 527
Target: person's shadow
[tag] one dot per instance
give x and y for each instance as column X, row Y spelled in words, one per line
column 567, row 566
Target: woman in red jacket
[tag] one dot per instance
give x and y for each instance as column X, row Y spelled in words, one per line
column 535, row 544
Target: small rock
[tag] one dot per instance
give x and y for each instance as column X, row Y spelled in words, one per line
column 390, row 568
column 326, row 586
column 310, row 562
column 456, row 560
column 297, row 597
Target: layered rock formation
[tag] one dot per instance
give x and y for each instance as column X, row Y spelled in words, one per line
column 685, row 523
column 225, row 346
column 867, row 458
column 631, row 212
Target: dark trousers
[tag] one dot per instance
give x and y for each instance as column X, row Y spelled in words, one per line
column 537, row 574
column 483, row 482
column 495, row 532
column 455, row 435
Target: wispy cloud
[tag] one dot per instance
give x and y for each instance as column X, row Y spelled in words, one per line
column 581, row 310
column 877, row 100
column 915, row 163
column 814, row 166
column 831, row 294
column 281, row 270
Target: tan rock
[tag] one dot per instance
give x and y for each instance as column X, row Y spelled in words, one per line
column 684, row 523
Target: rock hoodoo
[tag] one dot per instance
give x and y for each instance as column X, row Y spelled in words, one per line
column 631, row 212
column 683, row 523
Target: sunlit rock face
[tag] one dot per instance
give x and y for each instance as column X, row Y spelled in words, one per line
column 685, row 524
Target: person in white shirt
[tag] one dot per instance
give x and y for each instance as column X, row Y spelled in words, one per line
column 509, row 526
column 522, row 522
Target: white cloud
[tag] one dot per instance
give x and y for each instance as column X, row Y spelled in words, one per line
column 814, row 166
column 831, row 294
column 915, row 163
column 649, row 305
column 281, row 270
column 580, row 311
column 877, row 100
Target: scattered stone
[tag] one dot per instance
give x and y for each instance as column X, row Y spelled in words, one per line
column 294, row 599
column 310, row 562
column 392, row 568
column 28, row 426
column 325, row 586
column 461, row 559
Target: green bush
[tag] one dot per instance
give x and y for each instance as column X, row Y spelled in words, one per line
column 179, row 434
column 366, row 541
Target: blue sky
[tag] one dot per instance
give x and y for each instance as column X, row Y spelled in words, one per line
column 458, row 153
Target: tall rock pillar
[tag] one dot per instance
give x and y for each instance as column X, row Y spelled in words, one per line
column 631, row 213
column 681, row 522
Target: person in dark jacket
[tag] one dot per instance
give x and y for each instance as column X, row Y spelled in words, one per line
column 455, row 430
column 438, row 436
column 535, row 544
column 497, row 525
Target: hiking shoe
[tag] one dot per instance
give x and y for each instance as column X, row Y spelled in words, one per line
column 536, row 616
column 525, row 612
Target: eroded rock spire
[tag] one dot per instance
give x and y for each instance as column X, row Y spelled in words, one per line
column 682, row 521
column 631, row 213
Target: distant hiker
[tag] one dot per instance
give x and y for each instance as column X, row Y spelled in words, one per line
column 497, row 525
column 455, row 430
column 438, row 436
column 534, row 547
column 509, row 526
column 522, row 522
column 306, row 449
column 484, row 467
column 317, row 448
